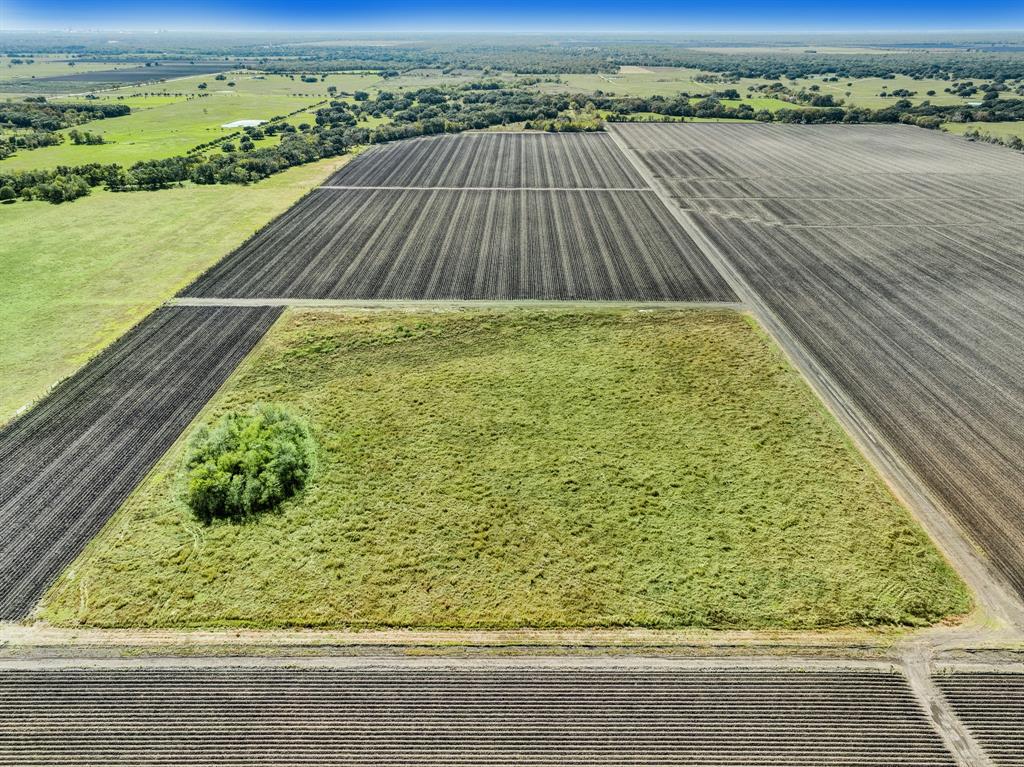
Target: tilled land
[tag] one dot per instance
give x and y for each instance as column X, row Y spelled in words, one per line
column 470, row 244
column 509, row 160
column 991, row 704
column 463, row 717
column 70, row 461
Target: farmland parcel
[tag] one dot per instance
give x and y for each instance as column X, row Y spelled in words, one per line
column 491, row 216
column 70, row 462
column 895, row 257
column 433, row 718
column 544, row 469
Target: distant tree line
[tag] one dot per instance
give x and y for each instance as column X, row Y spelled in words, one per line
column 34, row 122
column 336, row 129
column 39, row 114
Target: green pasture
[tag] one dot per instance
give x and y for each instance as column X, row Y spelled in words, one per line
column 1002, row 130
column 77, row 275
column 163, row 127
column 528, row 469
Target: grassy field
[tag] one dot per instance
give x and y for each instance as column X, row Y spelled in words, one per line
column 170, row 118
column 636, row 81
column 256, row 84
column 164, row 128
column 490, row 469
column 1003, row 130
column 670, row 81
column 78, row 275
column 864, row 92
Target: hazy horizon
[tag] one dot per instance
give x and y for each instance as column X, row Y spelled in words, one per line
column 402, row 17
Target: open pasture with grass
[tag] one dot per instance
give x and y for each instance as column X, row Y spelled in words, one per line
column 543, row 226
column 915, row 312
column 68, row 463
column 61, row 303
column 256, row 83
column 500, row 469
column 160, row 127
column 1004, row 130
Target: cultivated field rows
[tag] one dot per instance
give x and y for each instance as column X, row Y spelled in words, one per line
column 509, row 160
column 881, row 187
column 958, row 211
column 508, row 244
column 70, row 461
column 921, row 326
column 456, row 717
column 991, row 705
column 736, row 150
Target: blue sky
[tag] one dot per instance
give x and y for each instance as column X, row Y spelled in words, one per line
column 520, row 16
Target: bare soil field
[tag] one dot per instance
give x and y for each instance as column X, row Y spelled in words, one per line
column 511, row 160
column 991, row 704
column 140, row 74
column 469, row 245
column 69, row 462
column 238, row 716
column 914, row 312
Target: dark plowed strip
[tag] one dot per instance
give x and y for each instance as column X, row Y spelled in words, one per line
column 521, row 717
column 69, row 462
column 497, row 245
column 991, row 705
column 574, row 160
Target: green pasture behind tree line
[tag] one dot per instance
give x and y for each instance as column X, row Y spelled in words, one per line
column 447, row 110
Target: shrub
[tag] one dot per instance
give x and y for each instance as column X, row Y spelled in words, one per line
column 247, row 463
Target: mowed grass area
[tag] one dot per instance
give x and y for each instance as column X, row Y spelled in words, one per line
column 528, row 469
column 77, row 275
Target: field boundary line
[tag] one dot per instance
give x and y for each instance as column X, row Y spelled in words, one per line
column 988, row 587
column 347, row 188
column 451, row 304
column 443, row 663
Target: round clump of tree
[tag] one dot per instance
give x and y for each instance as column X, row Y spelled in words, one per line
column 247, row 463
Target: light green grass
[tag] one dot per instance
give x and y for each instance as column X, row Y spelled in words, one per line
column 528, row 468
column 165, row 129
column 256, row 84
column 670, row 81
column 77, row 275
column 634, row 81
column 50, row 66
column 864, row 91
column 1003, row 130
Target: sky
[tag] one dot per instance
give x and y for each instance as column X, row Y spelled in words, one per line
column 612, row 16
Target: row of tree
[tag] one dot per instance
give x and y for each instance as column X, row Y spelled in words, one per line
column 446, row 110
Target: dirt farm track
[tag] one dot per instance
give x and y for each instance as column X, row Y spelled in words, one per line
column 888, row 261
